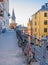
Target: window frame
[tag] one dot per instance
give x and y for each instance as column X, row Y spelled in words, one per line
column 45, row 30
column 45, row 14
column 45, row 22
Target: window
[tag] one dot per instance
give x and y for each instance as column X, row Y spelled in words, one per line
column 35, row 15
column 35, row 29
column 45, row 29
column 35, row 23
column 45, row 14
column 45, row 22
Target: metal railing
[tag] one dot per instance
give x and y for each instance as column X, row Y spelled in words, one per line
column 38, row 48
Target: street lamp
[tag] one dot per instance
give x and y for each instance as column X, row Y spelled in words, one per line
column 33, row 45
column 31, row 32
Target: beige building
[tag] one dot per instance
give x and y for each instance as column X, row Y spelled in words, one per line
column 6, row 5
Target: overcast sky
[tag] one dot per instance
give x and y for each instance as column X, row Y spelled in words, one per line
column 25, row 9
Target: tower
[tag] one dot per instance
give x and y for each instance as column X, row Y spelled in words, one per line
column 13, row 23
column 13, row 16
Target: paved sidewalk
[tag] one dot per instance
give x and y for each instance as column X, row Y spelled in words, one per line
column 10, row 53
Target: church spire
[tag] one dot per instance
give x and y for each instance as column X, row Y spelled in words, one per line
column 29, row 19
column 13, row 15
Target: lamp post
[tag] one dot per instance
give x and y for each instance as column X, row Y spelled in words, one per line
column 31, row 31
column 33, row 45
column 23, row 33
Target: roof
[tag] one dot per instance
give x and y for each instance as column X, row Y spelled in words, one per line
column 13, row 15
column 44, row 8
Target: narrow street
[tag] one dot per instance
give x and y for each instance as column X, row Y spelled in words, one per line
column 10, row 53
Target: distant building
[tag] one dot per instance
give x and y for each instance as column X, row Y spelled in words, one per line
column 4, row 12
column 21, row 28
column 40, row 22
column 29, row 30
column 29, row 25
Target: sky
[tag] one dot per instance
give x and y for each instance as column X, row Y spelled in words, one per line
column 24, row 9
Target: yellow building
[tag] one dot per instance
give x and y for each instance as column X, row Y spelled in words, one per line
column 40, row 22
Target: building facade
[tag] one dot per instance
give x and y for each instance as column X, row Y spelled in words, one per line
column 4, row 13
column 40, row 22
